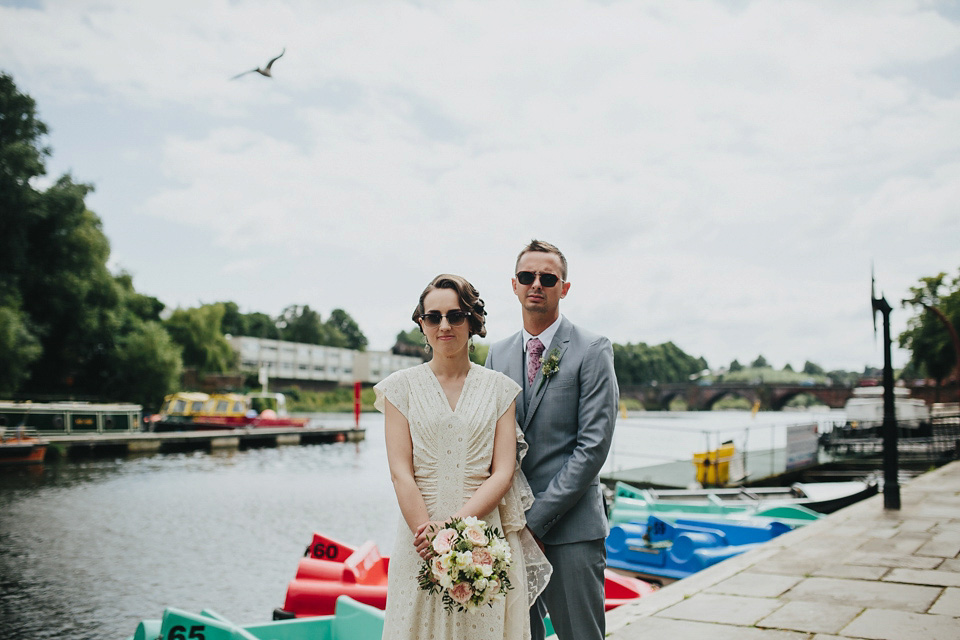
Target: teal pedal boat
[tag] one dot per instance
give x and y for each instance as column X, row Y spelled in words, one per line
column 352, row 621
column 626, row 509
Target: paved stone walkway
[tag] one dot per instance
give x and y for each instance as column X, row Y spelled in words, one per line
column 862, row 572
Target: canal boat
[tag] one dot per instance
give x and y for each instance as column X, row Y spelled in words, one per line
column 72, row 418
column 668, row 550
column 20, row 446
column 192, row 411
column 331, row 569
column 822, row 497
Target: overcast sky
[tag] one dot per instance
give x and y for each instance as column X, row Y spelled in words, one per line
column 719, row 174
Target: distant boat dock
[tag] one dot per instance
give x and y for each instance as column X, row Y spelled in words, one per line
column 81, row 429
column 131, row 443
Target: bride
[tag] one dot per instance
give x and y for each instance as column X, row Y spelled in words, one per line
column 454, row 450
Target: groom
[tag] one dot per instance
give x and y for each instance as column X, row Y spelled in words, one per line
column 567, row 414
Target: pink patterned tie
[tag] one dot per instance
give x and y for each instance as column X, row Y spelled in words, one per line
column 535, row 347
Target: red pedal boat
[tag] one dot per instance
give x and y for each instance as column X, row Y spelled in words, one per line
column 331, row 569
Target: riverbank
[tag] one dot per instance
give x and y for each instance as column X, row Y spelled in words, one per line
column 862, row 572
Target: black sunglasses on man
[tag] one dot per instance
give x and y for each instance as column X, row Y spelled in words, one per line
column 546, row 279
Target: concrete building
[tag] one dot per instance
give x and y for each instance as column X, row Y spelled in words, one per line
column 312, row 366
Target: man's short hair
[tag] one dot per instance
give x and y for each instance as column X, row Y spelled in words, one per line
column 543, row 247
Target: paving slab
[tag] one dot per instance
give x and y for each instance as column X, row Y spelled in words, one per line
column 886, row 624
column 852, row 571
column 933, row 578
column 892, row 561
column 903, row 543
column 722, row 609
column 760, row 585
column 948, row 603
column 922, row 525
column 944, row 545
column 865, row 593
column 665, row 628
column 811, row 617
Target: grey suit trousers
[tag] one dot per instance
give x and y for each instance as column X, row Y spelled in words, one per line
column 574, row 596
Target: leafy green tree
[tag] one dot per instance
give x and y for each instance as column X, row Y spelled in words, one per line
column 198, row 331
column 928, row 334
column 341, row 322
column 643, row 364
column 260, row 325
column 19, row 348
column 410, row 343
column 21, row 160
column 234, row 323
column 64, row 318
column 788, row 367
column 303, row 324
column 813, row 369
column 735, row 366
column 479, row 352
column 759, row 363
column 74, row 302
column 148, row 365
column 843, row 378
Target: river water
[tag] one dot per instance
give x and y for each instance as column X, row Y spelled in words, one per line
column 89, row 548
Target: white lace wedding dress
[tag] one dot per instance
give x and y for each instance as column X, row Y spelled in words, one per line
column 452, row 451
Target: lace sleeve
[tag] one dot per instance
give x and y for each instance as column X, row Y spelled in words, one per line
column 394, row 388
column 515, row 502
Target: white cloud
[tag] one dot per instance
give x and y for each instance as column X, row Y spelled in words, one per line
column 720, row 175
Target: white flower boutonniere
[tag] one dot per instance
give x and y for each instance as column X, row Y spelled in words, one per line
column 550, row 366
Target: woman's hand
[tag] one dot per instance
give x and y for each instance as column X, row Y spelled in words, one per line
column 421, row 535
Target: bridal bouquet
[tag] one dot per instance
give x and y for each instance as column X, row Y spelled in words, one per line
column 468, row 565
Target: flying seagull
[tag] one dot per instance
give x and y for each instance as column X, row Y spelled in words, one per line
column 265, row 71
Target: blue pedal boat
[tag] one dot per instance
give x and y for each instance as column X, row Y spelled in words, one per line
column 667, row 550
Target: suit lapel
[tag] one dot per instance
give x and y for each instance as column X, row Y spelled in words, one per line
column 514, row 369
column 560, row 342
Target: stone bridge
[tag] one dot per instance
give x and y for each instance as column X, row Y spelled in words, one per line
column 702, row 397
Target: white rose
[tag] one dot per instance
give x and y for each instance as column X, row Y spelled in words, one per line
column 480, row 585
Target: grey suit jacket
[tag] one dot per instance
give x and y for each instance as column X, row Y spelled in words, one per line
column 569, row 428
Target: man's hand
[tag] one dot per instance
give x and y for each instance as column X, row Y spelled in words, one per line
column 536, row 539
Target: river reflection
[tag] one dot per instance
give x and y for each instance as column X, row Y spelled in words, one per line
column 88, row 549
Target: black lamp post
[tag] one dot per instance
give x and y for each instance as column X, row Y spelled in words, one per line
column 891, row 485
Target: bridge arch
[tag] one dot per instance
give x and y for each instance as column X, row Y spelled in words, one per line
column 665, row 399
column 710, row 401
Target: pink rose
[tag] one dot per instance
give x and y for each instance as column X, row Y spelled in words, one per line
column 475, row 535
column 443, row 542
column 439, row 568
column 461, row 592
column 483, row 557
